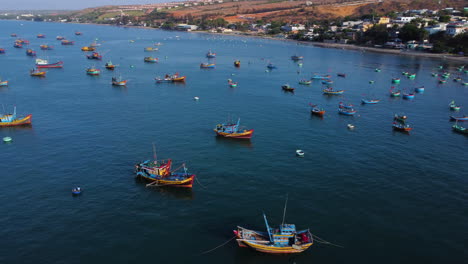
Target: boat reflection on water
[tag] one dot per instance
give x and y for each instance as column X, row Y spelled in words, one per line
column 233, row 142
column 178, row 193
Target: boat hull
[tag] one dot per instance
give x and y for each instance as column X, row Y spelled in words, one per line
column 51, row 65
column 4, row 83
column 454, row 118
column 174, row 180
column 247, row 134
column 122, row 83
column 18, row 122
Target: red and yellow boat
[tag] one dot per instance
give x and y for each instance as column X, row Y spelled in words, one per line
column 160, row 174
column 12, row 120
column 37, row 73
column 231, row 130
column 87, row 48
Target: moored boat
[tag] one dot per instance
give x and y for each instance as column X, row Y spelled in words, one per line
column 93, row 71
column 171, row 78
column 117, row 81
column 109, row 65
column 460, row 129
column 2, row 51
column 3, row 83
column 347, row 106
column 412, row 75
column 94, row 56
column 46, row 47
column 13, row 120
column 395, row 93
column 341, row 75
column 207, row 65
column 457, row 79
column 400, row 118
column 40, row 36
column 78, row 33
column 408, row 95
column 460, row 118
column 41, row 63
column 67, row 42
column 453, row 106
column 76, row 191
column 160, row 174
column 300, row 153
column 30, row 52
column 231, row 83
column 210, row 55
column 419, row 89
column 321, row 76
column 37, row 73
column 17, row 45
column 232, row 130
column 296, row 58
column 401, row 127
column 330, row 91
column 60, row 38
column 345, row 111
column 151, row 59
column 316, row 110
column 237, row 63
column 370, row 101
column 271, row 66
column 442, row 81
column 151, row 49
column 287, row 88
column 305, row 82
column 396, row 80
column 88, row 48
column 378, row 70
column 283, row 240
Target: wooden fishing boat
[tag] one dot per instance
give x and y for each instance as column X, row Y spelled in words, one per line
column 412, row 76
column 461, row 118
column 40, row 36
column 371, row 82
column 232, row 84
column 300, row 153
column 305, row 82
column 315, row 110
column 41, row 63
column 370, row 101
column 151, row 49
column 13, row 120
column 23, row 41
column 67, row 42
column 237, row 63
column 327, row 81
column 271, row 66
column 401, row 127
column 13, row 35
column 282, row 240
column 159, row 173
column 395, row 93
column 170, row 78
column 321, row 77
column 207, row 65
column 151, row 59
column 78, row 33
column 419, row 89
column 348, row 112
column 109, row 65
column 3, row 83
column 350, row 126
column 87, row 48
column 296, row 58
column 37, row 73
column 341, row 75
column 287, row 88
column 400, row 118
column 46, row 47
column 232, row 130
column 378, row 70
column 178, row 78
column 94, row 56
column 330, row 91
column 453, row 106
column 2, row 51
column 457, row 79
column 405, row 73
column 30, row 52
column 396, row 80
column 408, row 95
column 76, row 191
column 210, row 55
column 434, row 74
column 346, row 106
column 17, row 45
column 460, row 129
column 465, row 84
column 442, row 81
column 117, row 81
column 60, row 38
column 93, row 71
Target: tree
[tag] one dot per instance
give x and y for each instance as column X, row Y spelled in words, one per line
column 377, row 34
column 444, row 18
column 412, row 32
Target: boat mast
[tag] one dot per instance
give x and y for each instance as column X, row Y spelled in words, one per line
column 268, row 227
column 237, row 125
column 154, row 153
column 284, row 210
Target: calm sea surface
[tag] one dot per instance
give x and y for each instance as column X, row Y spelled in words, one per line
column 385, row 196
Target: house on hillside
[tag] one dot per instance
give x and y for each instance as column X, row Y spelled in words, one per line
column 186, row 27
column 456, row 28
column 437, row 28
column 404, row 20
column 292, row 27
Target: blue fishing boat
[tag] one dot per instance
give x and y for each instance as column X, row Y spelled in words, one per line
column 76, row 191
column 283, row 240
column 210, row 55
column 330, row 91
column 419, row 89
column 2, row 51
column 460, row 118
column 348, row 112
column 271, row 66
column 160, row 174
column 321, row 76
column 346, row 106
column 207, row 65
column 296, row 58
column 370, row 101
column 408, row 95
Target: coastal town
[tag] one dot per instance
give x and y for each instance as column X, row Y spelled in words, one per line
column 443, row 30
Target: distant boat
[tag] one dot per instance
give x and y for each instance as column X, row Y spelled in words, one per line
column 13, row 35
column 232, row 130
column 321, row 76
column 316, row 110
column 151, row 49
column 237, row 63
column 67, row 42
column 460, row 129
column 419, row 89
column 2, row 51
column 232, row 84
column 287, row 88
column 305, row 82
column 401, row 118
column 457, row 79
column 207, row 65
column 461, row 118
column 408, row 95
column 370, row 101
column 300, row 153
column 13, row 120
column 348, row 112
column 171, row 78
column 330, row 91
column 88, row 48
column 160, row 174
column 271, row 66
column 453, row 106
column 210, row 55
column 40, row 36
column 394, row 93
column 151, row 59
column 401, row 127
column 442, row 81
column 117, row 81
column 41, row 63
column 3, row 83
column 296, row 58
column 30, row 52
column 60, row 38
column 78, row 33
column 94, row 56
column 412, row 75
column 76, row 191
column 109, row 65
column 341, row 75
column 37, row 73
column 377, row 70
column 396, row 80
column 18, row 45
column 282, row 240
column 93, row 71
column 346, row 106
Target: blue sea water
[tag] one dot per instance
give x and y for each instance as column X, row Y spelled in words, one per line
column 384, row 196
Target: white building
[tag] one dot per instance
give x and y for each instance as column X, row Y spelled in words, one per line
column 404, row 19
column 295, row 27
column 454, row 29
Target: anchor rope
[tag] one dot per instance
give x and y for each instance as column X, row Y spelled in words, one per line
column 323, row 241
column 208, row 251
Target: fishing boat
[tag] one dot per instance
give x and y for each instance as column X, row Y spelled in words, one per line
column 177, row 78
column 350, row 126
column 341, row 75
column 412, row 76
column 30, row 52
column 457, row 79
column 23, row 41
column 232, row 130
column 46, row 47
column 3, row 83
column 40, row 36
column 434, row 74
column 346, row 106
column 287, row 88
column 271, row 66
column 94, row 56
column 160, row 174
column 210, row 55
column 370, row 101
column 396, row 80
column 232, row 84
column 461, row 118
column 371, row 82
column 151, row 49
column 237, row 63
column 117, row 81
column 67, row 42
column 37, row 73
column 453, row 106
column 321, row 76
column 405, row 73
column 283, row 240
column 76, row 191
column 401, row 127
column 419, row 89
column 460, row 129
column 59, row 38
column 465, row 84
column 348, row 112
column 378, row 70
column 330, row 91
column 88, row 48
column 400, row 118
column 316, row 110
column 408, row 95
column 158, row 44
column 394, row 93
column 17, row 45
column 2, row 51
column 170, row 78
column 305, row 82
column 13, row 35
column 13, row 120
column 93, row 71
column 300, row 153
column 207, row 65
column 41, row 63
column 78, row 33
column 151, row 59
column 109, row 65
column 7, row 139
column 296, row 58
column 442, row 81
column 327, row 81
